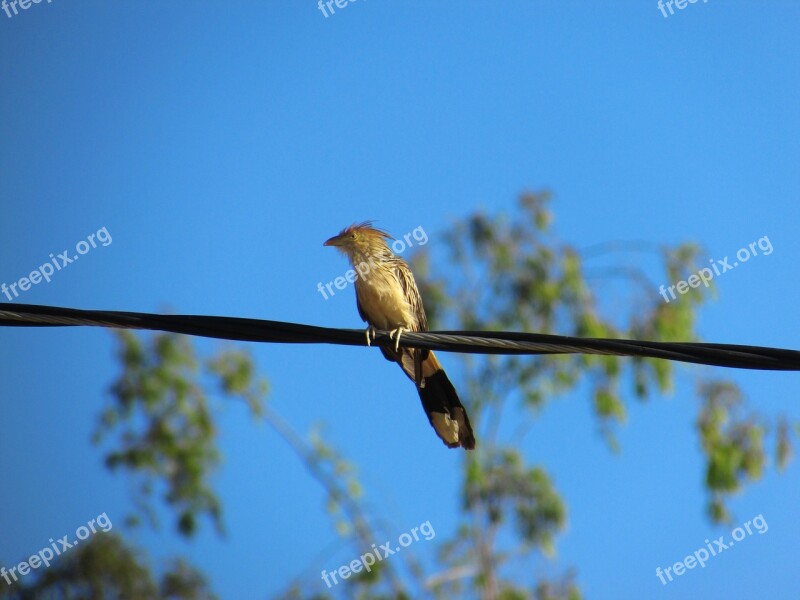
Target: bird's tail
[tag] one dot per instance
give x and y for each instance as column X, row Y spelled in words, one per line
column 446, row 414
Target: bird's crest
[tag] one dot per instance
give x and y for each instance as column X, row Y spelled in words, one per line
column 365, row 228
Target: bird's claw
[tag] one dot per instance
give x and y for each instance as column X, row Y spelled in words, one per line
column 371, row 331
column 399, row 331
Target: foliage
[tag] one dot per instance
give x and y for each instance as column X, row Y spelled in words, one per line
column 105, row 568
column 513, row 274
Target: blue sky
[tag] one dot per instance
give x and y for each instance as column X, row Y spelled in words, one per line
column 221, row 144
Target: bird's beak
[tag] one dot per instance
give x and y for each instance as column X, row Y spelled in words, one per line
column 334, row 241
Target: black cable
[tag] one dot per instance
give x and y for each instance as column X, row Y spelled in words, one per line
column 474, row 342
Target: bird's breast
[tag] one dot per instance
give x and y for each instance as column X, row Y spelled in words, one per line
column 383, row 301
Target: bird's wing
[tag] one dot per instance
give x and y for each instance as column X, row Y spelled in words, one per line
column 405, row 357
column 361, row 312
column 411, row 292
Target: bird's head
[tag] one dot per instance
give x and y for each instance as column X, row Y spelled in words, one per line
column 359, row 239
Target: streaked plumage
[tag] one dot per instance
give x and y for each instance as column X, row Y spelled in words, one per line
column 388, row 299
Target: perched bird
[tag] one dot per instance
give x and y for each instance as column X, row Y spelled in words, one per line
column 388, row 299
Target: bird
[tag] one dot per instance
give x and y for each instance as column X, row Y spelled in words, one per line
column 388, row 299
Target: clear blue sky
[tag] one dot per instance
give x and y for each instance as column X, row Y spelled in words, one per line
column 220, row 144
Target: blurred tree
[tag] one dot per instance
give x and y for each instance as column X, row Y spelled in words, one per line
column 512, row 274
column 502, row 273
column 106, row 568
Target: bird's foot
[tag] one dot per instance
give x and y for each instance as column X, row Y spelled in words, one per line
column 371, row 333
column 398, row 332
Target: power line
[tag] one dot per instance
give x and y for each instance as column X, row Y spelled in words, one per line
column 473, row 342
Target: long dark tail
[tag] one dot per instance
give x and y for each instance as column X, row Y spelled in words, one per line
column 446, row 414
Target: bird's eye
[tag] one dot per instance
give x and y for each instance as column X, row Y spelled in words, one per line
column 352, row 236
